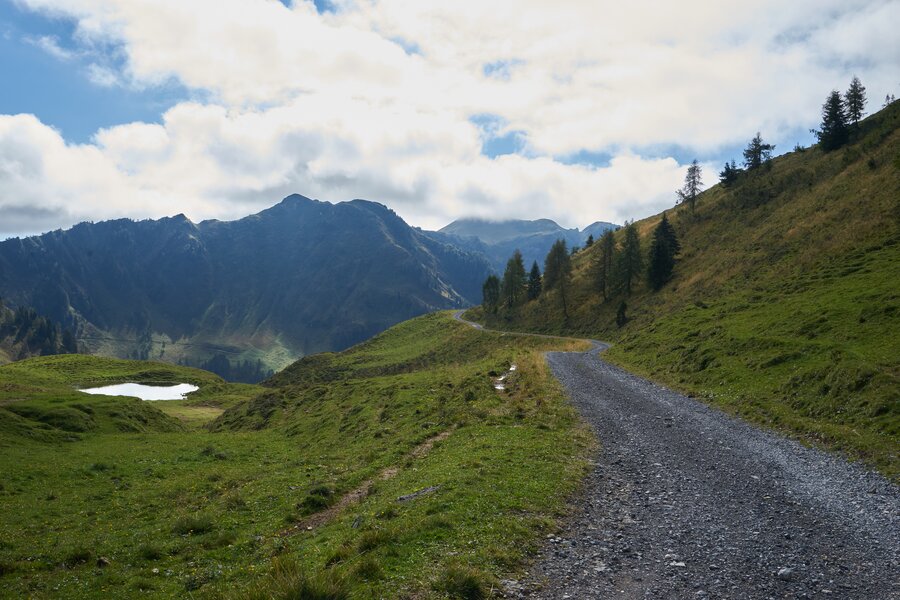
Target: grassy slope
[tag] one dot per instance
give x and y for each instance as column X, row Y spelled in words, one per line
column 784, row 306
column 204, row 506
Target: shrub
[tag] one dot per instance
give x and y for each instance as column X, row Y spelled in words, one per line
column 77, row 556
column 150, row 552
column 462, row 583
column 288, row 581
column 193, row 525
column 371, row 539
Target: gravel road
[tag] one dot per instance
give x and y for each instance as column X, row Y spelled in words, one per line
column 688, row 502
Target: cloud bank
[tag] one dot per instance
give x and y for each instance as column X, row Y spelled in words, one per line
column 379, row 100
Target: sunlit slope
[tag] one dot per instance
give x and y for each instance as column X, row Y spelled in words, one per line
column 785, row 303
column 394, row 469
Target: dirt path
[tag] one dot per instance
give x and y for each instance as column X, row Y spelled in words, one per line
column 323, row 517
column 688, row 502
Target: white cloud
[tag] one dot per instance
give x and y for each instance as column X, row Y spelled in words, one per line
column 50, row 45
column 334, row 106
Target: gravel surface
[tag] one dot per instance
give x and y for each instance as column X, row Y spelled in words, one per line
column 688, row 502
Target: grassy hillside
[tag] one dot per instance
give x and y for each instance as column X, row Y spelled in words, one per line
column 393, row 469
column 784, row 306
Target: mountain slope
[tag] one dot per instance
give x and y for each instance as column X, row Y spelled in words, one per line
column 784, row 303
column 391, row 470
column 301, row 277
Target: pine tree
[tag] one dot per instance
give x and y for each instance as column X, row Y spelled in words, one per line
column 621, row 317
column 856, row 100
column 833, row 133
column 693, row 183
column 729, row 174
column 663, row 248
column 604, row 265
column 888, row 100
column 558, row 273
column 631, row 263
column 757, row 153
column 490, row 294
column 534, row 282
column 590, row 241
column 512, row 289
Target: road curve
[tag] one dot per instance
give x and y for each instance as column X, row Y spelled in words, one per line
column 685, row 501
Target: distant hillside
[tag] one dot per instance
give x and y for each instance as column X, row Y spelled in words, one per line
column 301, row 277
column 497, row 240
column 784, row 302
column 24, row 333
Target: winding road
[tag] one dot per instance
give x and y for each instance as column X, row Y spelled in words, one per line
column 685, row 501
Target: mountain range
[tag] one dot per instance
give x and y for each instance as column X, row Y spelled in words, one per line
column 497, row 240
column 301, row 277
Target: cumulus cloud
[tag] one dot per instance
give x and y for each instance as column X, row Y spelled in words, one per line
column 380, row 100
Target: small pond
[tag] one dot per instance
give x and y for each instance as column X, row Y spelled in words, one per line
column 144, row 391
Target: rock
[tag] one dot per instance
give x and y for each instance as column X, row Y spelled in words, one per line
column 418, row 493
column 102, row 562
column 785, row 574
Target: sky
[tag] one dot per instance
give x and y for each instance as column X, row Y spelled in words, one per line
column 577, row 111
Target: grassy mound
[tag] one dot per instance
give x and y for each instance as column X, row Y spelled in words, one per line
column 393, row 469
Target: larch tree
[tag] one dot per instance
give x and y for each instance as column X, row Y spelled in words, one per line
column 490, row 294
column 631, row 263
column 729, row 174
column 534, row 282
column 855, row 99
column 512, row 288
column 558, row 273
column 757, row 153
column 693, row 185
column 603, row 267
column 663, row 248
column 833, row 132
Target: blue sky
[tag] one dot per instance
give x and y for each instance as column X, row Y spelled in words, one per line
column 439, row 110
column 59, row 91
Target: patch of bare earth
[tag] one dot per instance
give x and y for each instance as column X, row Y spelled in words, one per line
column 324, row 517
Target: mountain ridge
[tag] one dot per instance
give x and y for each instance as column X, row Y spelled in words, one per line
column 299, row 277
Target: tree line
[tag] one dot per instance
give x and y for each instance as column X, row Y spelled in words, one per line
column 621, row 263
column 32, row 334
column 617, row 268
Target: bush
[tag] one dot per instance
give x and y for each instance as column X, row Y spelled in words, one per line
column 150, row 552
column 288, row 581
column 371, row 539
column 462, row 583
column 77, row 556
column 193, row 525
column 319, row 498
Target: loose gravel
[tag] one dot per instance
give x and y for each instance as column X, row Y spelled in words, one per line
column 685, row 501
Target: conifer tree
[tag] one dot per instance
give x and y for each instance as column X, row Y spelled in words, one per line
column 833, row 133
column 558, row 273
column 855, row 99
column 631, row 263
column 621, row 317
column 512, row 289
column 590, row 241
column 534, row 282
column 490, row 294
column 693, row 183
column 757, row 153
column 729, row 174
column 663, row 248
column 603, row 268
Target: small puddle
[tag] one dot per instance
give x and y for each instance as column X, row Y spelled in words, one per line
column 144, row 391
column 499, row 384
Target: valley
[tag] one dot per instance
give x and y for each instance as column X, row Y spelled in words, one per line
column 198, row 496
